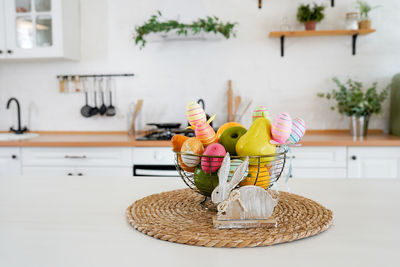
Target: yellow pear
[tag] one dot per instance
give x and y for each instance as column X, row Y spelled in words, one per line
column 255, row 142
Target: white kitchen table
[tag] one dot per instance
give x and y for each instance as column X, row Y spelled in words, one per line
column 80, row 221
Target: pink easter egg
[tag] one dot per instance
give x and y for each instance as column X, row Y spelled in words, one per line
column 208, row 164
column 281, row 128
column 298, row 130
column 205, row 133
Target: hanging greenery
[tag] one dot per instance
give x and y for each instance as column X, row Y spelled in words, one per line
column 208, row 25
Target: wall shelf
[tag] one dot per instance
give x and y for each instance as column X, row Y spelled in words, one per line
column 353, row 33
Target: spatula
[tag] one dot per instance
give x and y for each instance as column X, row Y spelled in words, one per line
column 137, row 109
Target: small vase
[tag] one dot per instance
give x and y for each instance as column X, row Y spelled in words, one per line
column 364, row 24
column 359, row 126
column 310, row 25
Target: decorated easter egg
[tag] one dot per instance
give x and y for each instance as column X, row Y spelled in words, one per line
column 191, row 148
column 261, row 112
column 281, row 128
column 298, row 130
column 235, row 163
column 205, row 133
column 195, row 113
column 210, row 164
column 257, row 175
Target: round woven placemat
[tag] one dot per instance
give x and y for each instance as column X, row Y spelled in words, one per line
column 177, row 216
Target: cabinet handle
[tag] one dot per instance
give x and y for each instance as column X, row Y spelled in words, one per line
column 14, row 156
column 75, row 157
column 9, row 51
column 80, row 174
column 1, row 51
column 69, row 174
column 353, row 157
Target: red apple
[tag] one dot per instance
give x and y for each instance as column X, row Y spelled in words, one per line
column 210, row 165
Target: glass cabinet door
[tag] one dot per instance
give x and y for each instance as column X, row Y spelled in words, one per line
column 2, row 31
column 32, row 24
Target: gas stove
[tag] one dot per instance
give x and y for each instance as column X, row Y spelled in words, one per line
column 164, row 134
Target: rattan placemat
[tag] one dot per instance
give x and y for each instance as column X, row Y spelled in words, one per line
column 177, row 216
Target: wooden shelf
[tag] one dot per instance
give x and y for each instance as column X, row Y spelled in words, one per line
column 353, row 33
column 319, row 33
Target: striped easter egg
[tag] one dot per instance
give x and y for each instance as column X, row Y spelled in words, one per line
column 261, row 112
column 281, row 128
column 298, row 130
column 195, row 113
column 205, row 133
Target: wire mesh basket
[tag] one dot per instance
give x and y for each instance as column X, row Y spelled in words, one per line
column 199, row 172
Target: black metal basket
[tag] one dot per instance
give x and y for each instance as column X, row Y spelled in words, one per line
column 263, row 171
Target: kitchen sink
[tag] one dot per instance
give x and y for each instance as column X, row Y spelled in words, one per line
column 12, row 136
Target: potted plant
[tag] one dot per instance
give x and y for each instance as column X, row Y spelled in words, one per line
column 310, row 15
column 365, row 8
column 356, row 103
column 208, row 25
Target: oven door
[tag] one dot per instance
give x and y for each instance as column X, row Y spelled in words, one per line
column 155, row 170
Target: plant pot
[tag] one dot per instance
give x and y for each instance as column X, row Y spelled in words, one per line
column 359, row 126
column 364, row 24
column 310, row 25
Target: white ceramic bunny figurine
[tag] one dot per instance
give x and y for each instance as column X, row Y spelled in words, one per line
column 245, row 203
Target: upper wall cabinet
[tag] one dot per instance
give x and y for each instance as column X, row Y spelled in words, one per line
column 39, row 29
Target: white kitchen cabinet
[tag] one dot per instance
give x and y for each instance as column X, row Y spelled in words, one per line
column 39, row 29
column 77, row 156
column 373, row 162
column 77, row 161
column 2, row 31
column 10, row 161
column 319, row 162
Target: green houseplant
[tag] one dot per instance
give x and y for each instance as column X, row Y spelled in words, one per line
column 353, row 101
column 364, row 8
column 208, row 25
column 310, row 15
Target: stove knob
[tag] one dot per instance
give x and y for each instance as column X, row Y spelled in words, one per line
column 158, row 155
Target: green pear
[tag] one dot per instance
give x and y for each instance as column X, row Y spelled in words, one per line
column 255, row 142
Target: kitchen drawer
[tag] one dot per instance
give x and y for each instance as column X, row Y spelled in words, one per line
column 81, row 171
column 319, row 157
column 77, row 156
column 153, row 156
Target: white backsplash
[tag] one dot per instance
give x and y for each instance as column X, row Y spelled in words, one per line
column 169, row 74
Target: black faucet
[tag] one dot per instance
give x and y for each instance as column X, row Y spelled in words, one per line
column 19, row 130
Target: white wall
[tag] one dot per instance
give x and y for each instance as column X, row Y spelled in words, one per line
column 170, row 74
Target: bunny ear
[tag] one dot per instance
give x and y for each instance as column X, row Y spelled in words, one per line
column 223, row 171
column 238, row 176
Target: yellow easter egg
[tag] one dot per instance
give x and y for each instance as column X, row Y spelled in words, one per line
column 257, row 175
column 195, row 114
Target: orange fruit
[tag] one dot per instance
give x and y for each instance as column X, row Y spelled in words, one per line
column 226, row 126
column 177, row 142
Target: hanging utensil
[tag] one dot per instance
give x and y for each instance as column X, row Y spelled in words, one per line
column 95, row 109
column 110, row 109
column 103, row 108
column 137, row 109
column 86, row 109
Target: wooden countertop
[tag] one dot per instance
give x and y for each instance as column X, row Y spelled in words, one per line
column 122, row 139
